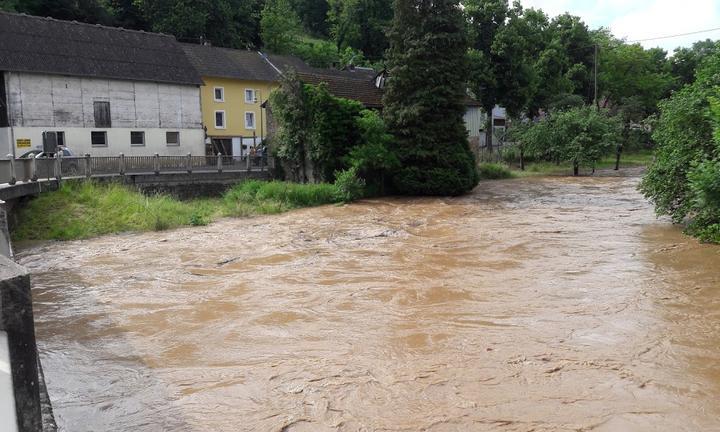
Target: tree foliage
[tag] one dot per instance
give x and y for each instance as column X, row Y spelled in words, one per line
column 580, row 136
column 361, row 25
column 424, row 98
column 682, row 181
column 330, row 134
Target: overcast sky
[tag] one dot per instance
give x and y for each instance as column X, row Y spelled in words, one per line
column 642, row 19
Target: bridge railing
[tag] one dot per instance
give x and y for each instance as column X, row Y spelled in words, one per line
column 24, row 170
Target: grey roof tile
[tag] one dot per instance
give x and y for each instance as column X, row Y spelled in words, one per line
column 46, row 45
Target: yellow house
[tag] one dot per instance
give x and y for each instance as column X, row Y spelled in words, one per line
column 236, row 84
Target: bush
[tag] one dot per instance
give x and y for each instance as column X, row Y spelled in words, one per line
column 684, row 140
column 348, row 186
column 492, row 171
column 373, row 160
column 704, row 183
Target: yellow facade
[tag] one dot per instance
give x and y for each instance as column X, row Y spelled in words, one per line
column 234, row 106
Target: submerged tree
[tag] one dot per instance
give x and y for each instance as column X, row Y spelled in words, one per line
column 424, row 98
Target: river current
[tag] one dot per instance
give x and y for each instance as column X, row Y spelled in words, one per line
column 538, row 304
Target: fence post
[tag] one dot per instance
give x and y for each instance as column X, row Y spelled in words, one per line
column 247, row 160
column 58, row 167
column 33, row 169
column 219, row 162
column 156, row 163
column 122, row 164
column 88, row 166
column 13, row 179
column 189, row 163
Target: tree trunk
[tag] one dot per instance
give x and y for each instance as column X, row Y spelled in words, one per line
column 576, row 169
column 617, row 157
column 522, row 159
column 488, row 133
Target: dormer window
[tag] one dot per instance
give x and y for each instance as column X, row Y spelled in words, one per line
column 219, row 94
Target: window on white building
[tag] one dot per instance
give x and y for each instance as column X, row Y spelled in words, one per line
column 172, row 138
column 101, row 111
column 137, row 138
column 250, row 96
column 249, row 120
column 98, row 138
column 219, row 94
column 220, row 119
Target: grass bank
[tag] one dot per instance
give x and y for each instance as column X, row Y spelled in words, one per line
column 627, row 160
column 86, row 209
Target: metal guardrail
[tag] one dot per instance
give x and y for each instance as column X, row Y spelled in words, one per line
column 25, row 170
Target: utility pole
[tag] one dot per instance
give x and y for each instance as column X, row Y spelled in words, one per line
column 595, row 99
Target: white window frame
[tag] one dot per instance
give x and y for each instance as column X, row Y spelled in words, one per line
column 224, row 125
column 222, row 91
column 254, row 125
column 253, row 98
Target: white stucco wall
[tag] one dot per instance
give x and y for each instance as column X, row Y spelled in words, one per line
column 474, row 121
column 118, row 141
column 39, row 102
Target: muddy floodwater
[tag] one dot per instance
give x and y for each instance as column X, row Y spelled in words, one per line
column 539, row 304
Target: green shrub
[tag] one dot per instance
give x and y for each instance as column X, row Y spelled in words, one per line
column 493, row 171
column 348, row 186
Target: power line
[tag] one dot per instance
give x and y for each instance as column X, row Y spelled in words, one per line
column 675, row 35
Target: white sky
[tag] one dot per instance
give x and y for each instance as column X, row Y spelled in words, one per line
column 642, row 19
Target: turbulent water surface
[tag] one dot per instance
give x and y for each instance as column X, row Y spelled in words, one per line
column 530, row 305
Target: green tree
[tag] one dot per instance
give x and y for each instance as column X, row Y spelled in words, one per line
column 580, row 136
column 424, row 98
column 89, row 11
column 229, row 23
column 280, row 26
column 684, row 137
column 501, row 72
column 288, row 106
column 360, row 24
column 686, row 61
column 333, row 130
column 313, row 16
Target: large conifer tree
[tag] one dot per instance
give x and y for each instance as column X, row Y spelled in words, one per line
column 424, row 100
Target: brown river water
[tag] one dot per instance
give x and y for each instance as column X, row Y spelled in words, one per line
column 539, row 304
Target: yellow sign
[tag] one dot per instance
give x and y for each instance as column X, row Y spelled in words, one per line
column 23, row 142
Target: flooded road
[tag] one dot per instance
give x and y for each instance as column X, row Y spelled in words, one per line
column 540, row 304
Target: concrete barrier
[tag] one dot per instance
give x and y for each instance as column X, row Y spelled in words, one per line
column 16, row 321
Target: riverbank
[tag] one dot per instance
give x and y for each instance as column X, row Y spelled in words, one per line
column 631, row 164
column 80, row 210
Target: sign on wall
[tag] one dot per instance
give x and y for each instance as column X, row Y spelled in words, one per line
column 23, row 142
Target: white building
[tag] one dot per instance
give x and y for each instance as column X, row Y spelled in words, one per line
column 103, row 90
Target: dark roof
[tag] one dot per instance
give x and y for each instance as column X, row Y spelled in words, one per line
column 469, row 101
column 359, row 86
column 285, row 62
column 229, row 63
column 46, row 45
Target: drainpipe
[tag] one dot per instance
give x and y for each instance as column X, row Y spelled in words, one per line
column 11, row 122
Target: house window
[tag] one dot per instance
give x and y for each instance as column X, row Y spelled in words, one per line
column 172, row 138
column 249, row 120
column 249, row 96
column 102, row 114
column 137, row 138
column 219, row 94
column 220, row 119
column 98, row 139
